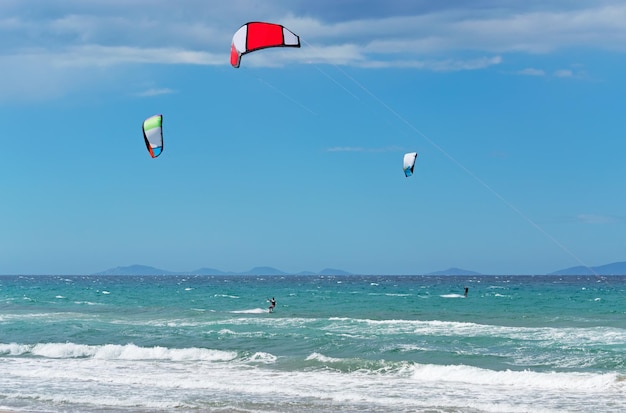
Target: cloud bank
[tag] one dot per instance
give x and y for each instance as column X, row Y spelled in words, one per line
column 59, row 41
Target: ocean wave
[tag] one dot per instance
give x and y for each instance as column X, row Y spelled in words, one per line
column 328, row 383
column 323, row 358
column 114, row 352
column 528, row 379
column 546, row 335
column 355, row 364
column 471, row 375
column 261, row 357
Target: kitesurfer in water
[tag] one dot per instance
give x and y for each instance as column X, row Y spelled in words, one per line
column 466, row 291
column 272, row 304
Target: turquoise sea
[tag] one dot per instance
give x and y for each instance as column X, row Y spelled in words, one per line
column 333, row 344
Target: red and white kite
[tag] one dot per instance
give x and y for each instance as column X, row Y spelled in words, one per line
column 258, row 35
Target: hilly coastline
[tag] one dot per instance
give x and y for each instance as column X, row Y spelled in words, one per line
column 616, row 268
column 148, row 270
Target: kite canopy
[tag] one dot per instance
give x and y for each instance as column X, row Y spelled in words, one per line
column 409, row 163
column 258, row 35
column 153, row 134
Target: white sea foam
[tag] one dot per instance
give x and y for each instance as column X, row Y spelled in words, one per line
column 225, row 296
column 151, row 384
column 36, row 316
column 528, row 379
column 452, row 296
column 262, row 357
column 115, row 352
column 548, row 335
column 406, row 347
column 14, row 349
column 323, row 358
column 250, row 311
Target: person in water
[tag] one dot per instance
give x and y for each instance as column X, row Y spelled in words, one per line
column 272, row 304
column 466, row 291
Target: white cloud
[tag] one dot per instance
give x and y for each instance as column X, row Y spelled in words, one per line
column 531, row 72
column 201, row 28
column 564, row 73
column 446, row 65
column 425, row 35
column 155, row 92
column 495, row 30
column 44, row 74
column 103, row 56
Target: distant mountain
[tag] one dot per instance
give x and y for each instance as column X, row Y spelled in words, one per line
column 306, row 273
column 454, row 271
column 135, row 270
column 208, row 271
column 616, row 268
column 333, row 271
column 264, row 271
column 147, row 270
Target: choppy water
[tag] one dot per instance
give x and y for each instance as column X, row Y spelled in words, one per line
column 333, row 344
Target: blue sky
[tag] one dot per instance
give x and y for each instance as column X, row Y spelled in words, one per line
column 294, row 160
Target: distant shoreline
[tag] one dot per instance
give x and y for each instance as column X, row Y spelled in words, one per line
column 311, row 275
column 615, row 268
